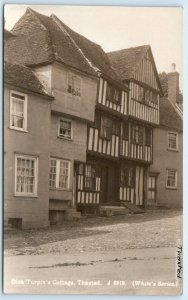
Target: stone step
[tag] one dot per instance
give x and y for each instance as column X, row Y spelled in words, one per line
column 132, row 207
column 73, row 214
column 109, row 210
column 8, row 228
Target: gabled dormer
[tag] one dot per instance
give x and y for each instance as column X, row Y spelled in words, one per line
column 136, row 67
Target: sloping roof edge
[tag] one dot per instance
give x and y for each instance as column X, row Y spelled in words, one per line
column 29, row 81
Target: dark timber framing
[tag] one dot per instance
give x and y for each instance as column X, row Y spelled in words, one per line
column 120, row 140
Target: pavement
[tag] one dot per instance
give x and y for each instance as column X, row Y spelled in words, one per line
column 132, row 255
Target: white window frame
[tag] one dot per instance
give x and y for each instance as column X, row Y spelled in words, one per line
column 58, row 160
column 25, row 111
column 64, row 137
column 172, row 149
column 35, row 192
column 176, row 179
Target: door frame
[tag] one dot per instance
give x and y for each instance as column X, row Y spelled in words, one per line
column 154, row 175
column 106, row 166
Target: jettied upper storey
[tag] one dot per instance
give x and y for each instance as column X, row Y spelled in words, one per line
column 136, row 67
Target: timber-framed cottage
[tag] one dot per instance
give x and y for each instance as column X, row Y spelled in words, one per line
column 120, row 141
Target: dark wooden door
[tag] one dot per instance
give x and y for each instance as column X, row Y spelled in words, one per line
column 104, row 184
column 152, row 187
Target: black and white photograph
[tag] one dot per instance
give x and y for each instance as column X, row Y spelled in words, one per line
column 93, row 150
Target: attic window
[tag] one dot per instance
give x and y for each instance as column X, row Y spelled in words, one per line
column 74, row 85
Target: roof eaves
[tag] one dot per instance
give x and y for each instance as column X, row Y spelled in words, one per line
column 156, row 73
column 21, row 88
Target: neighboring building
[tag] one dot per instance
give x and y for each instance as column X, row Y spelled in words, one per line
column 44, row 44
column 166, row 173
column 26, row 148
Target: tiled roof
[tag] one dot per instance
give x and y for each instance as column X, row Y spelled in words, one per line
column 125, row 61
column 7, row 34
column 169, row 116
column 23, row 77
column 42, row 39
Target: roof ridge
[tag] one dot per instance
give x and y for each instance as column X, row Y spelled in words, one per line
column 37, row 15
column 53, row 15
column 60, row 24
column 130, row 48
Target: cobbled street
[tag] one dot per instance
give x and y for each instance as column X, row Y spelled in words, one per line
column 103, row 250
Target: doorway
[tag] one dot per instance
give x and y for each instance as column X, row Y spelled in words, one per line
column 104, row 184
column 152, row 189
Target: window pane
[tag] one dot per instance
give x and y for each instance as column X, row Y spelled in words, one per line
column 52, row 177
column 63, row 174
column 17, row 111
column 171, row 178
column 65, row 129
column 106, row 127
column 148, row 137
column 74, row 85
column 25, row 175
column 172, row 140
column 90, row 175
column 126, row 131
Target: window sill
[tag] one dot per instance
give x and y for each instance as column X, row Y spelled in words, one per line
column 60, row 189
column 137, row 144
column 174, row 150
column 25, row 196
column 114, row 101
column 171, row 188
column 104, row 138
column 17, row 129
column 72, row 94
column 64, row 138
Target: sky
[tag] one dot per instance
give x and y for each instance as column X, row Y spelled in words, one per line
column 115, row 27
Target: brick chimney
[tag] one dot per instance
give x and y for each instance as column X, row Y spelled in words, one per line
column 173, row 85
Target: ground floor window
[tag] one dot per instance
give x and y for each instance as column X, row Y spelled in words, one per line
column 171, row 178
column 26, row 168
column 59, row 173
column 90, row 175
column 127, row 176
